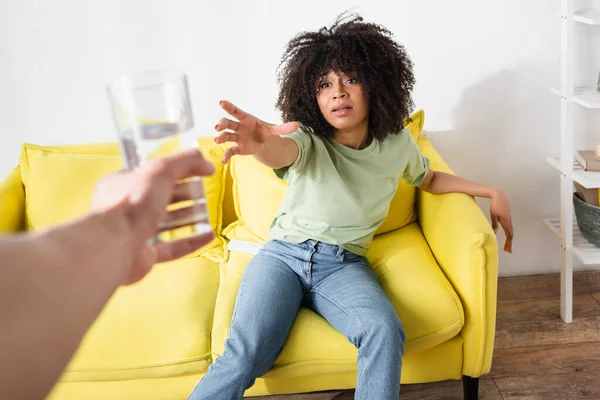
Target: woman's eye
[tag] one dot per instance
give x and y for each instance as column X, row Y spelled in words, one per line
column 325, row 85
column 351, row 80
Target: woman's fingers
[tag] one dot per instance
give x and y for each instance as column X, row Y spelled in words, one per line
column 226, row 123
column 233, row 110
column 226, row 137
column 230, row 152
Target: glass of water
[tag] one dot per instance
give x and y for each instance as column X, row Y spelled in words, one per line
column 153, row 117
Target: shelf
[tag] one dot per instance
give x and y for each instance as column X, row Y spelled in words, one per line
column 585, row 252
column 585, row 17
column 584, row 96
column 588, row 179
column 588, row 18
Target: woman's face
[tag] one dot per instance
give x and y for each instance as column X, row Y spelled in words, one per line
column 342, row 101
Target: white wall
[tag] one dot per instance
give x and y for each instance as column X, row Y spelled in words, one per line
column 483, row 71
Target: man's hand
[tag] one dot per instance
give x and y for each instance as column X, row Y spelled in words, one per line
column 140, row 198
column 249, row 133
column 500, row 213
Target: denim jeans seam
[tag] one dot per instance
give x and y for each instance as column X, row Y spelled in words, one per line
column 341, row 307
column 311, row 253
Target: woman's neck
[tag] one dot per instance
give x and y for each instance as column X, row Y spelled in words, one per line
column 356, row 138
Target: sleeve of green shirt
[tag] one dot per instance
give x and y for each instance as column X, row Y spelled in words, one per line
column 305, row 144
column 417, row 165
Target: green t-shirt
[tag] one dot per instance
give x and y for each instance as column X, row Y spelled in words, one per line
column 340, row 195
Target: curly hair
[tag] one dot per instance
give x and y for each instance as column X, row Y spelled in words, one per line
column 364, row 51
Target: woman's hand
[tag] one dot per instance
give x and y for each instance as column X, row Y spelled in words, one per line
column 500, row 214
column 249, row 133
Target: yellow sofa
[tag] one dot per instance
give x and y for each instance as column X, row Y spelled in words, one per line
column 435, row 256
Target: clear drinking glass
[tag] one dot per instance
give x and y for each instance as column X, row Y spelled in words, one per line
column 153, row 116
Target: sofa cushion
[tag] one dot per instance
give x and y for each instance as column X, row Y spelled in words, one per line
column 59, row 182
column 257, row 192
column 429, row 308
column 159, row 327
column 439, row 363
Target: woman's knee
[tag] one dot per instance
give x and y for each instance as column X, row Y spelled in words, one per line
column 247, row 362
column 388, row 332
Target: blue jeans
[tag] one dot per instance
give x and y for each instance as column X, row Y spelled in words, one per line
column 337, row 284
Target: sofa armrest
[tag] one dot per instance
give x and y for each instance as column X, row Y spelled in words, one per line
column 465, row 247
column 12, row 203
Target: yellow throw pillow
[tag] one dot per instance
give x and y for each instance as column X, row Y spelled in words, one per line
column 59, row 182
column 12, row 203
column 415, row 126
column 402, row 206
column 257, row 192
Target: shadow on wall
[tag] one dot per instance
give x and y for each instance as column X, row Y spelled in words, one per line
column 504, row 127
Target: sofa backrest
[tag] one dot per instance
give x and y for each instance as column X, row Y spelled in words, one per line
column 54, row 184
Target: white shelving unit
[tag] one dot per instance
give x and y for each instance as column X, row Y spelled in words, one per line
column 589, row 180
column 585, row 252
column 586, row 97
column 573, row 244
column 588, row 18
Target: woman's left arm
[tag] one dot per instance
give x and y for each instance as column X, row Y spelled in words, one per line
column 437, row 182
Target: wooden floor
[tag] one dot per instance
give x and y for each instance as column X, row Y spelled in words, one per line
column 537, row 356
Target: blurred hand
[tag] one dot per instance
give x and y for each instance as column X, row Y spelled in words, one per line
column 142, row 196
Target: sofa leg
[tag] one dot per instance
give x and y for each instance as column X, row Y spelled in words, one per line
column 470, row 388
